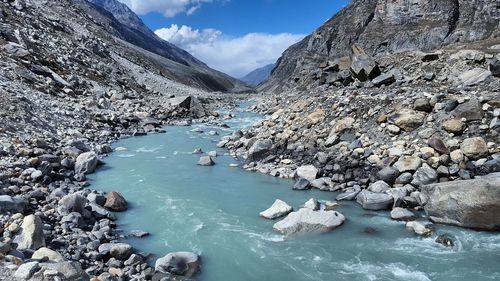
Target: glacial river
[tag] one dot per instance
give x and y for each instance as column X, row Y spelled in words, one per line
column 213, row 211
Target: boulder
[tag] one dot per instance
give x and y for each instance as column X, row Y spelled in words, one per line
column 278, row 209
column 308, row 221
column 466, row 203
column 424, row 175
column 86, row 163
column 474, row 148
column 308, row 172
column 26, row 270
column 495, row 66
column 31, row 235
column 422, row 104
column 474, row 77
column 402, row 214
column 363, row 67
column 455, row 126
column 374, row 201
column 438, row 145
column 419, row 228
column 47, row 253
column 408, row 120
column 408, row 164
column 180, row 263
column 67, row 270
column 384, row 79
column 379, row 187
column 120, row 251
column 206, row 161
column 72, row 203
column 11, row 204
column 116, row 202
column 388, row 174
column 259, row 149
column 302, row 184
column 312, row 204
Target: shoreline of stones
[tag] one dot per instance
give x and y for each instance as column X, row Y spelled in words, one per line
column 56, row 226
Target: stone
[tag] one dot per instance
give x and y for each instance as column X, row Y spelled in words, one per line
column 455, row 126
column 445, row 240
column 47, row 253
column 379, row 187
column 31, row 235
column 278, row 209
column 66, row 270
column 422, row 104
column 424, row 175
column 438, row 145
column 26, row 270
column 466, row 203
column 86, row 163
column 312, row 204
column 474, row 148
column 408, row 164
column 388, row 174
column 419, row 228
column 212, row 153
column 402, row 214
column 470, row 110
column 302, row 184
column 495, row 66
column 363, row 67
column 408, row 120
column 72, row 203
column 393, row 129
column 116, row 202
column 206, row 161
column 374, row 201
column 384, row 79
column 11, row 204
column 121, row 251
column 308, row 172
column 330, row 205
column 180, row 263
column 457, row 156
column 260, row 149
column 308, row 221
column 474, row 77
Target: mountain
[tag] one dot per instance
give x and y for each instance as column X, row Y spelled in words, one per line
column 385, row 26
column 258, row 76
column 117, row 19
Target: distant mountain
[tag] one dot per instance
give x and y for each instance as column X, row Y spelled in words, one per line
column 258, row 76
column 386, row 26
column 180, row 66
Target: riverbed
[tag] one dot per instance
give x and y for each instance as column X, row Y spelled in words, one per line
column 213, row 211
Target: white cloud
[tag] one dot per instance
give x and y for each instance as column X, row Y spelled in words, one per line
column 168, row 8
column 233, row 55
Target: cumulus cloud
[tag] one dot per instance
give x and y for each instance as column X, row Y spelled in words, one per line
column 168, row 8
column 233, row 55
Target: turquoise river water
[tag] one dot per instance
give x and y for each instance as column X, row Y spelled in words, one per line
column 213, row 211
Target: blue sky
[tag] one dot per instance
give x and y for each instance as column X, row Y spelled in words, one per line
column 235, row 36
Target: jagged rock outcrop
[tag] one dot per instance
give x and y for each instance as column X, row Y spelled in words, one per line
column 386, row 26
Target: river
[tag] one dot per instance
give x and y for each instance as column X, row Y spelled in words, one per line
column 213, row 211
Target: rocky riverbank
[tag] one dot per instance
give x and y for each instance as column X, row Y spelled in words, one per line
column 427, row 138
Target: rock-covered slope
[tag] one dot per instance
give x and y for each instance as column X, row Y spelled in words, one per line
column 175, row 63
column 258, row 76
column 387, row 26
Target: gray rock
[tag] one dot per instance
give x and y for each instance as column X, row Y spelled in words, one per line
column 259, row 149
column 384, row 79
column 474, row 148
column 388, row 174
column 308, row 221
column 312, row 204
column 308, row 172
column 466, row 203
column 419, row 228
column 180, row 263
column 206, row 161
column 424, row 175
column 31, row 235
column 120, row 251
column 72, row 203
column 495, row 66
column 67, row 270
column 408, row 164
column 408, row 120
column 374, row 201
column 11, row 204
column 278, row 209
column 47, row 253
column 474, row 77
column 363, row 66
column 26, row 270
column 401, row 214
column 86, row 163
column 379, row 187
column 302, row 184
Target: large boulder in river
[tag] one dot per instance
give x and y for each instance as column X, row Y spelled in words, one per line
column 180, row 263
column 308, row 221
column 374, row 201
column 206, row 161
column 116, row 202
column 86, row 163
column 31, row 235
column 308, row 172
column 278, row 209
column 259, row 149
column 468, row 203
